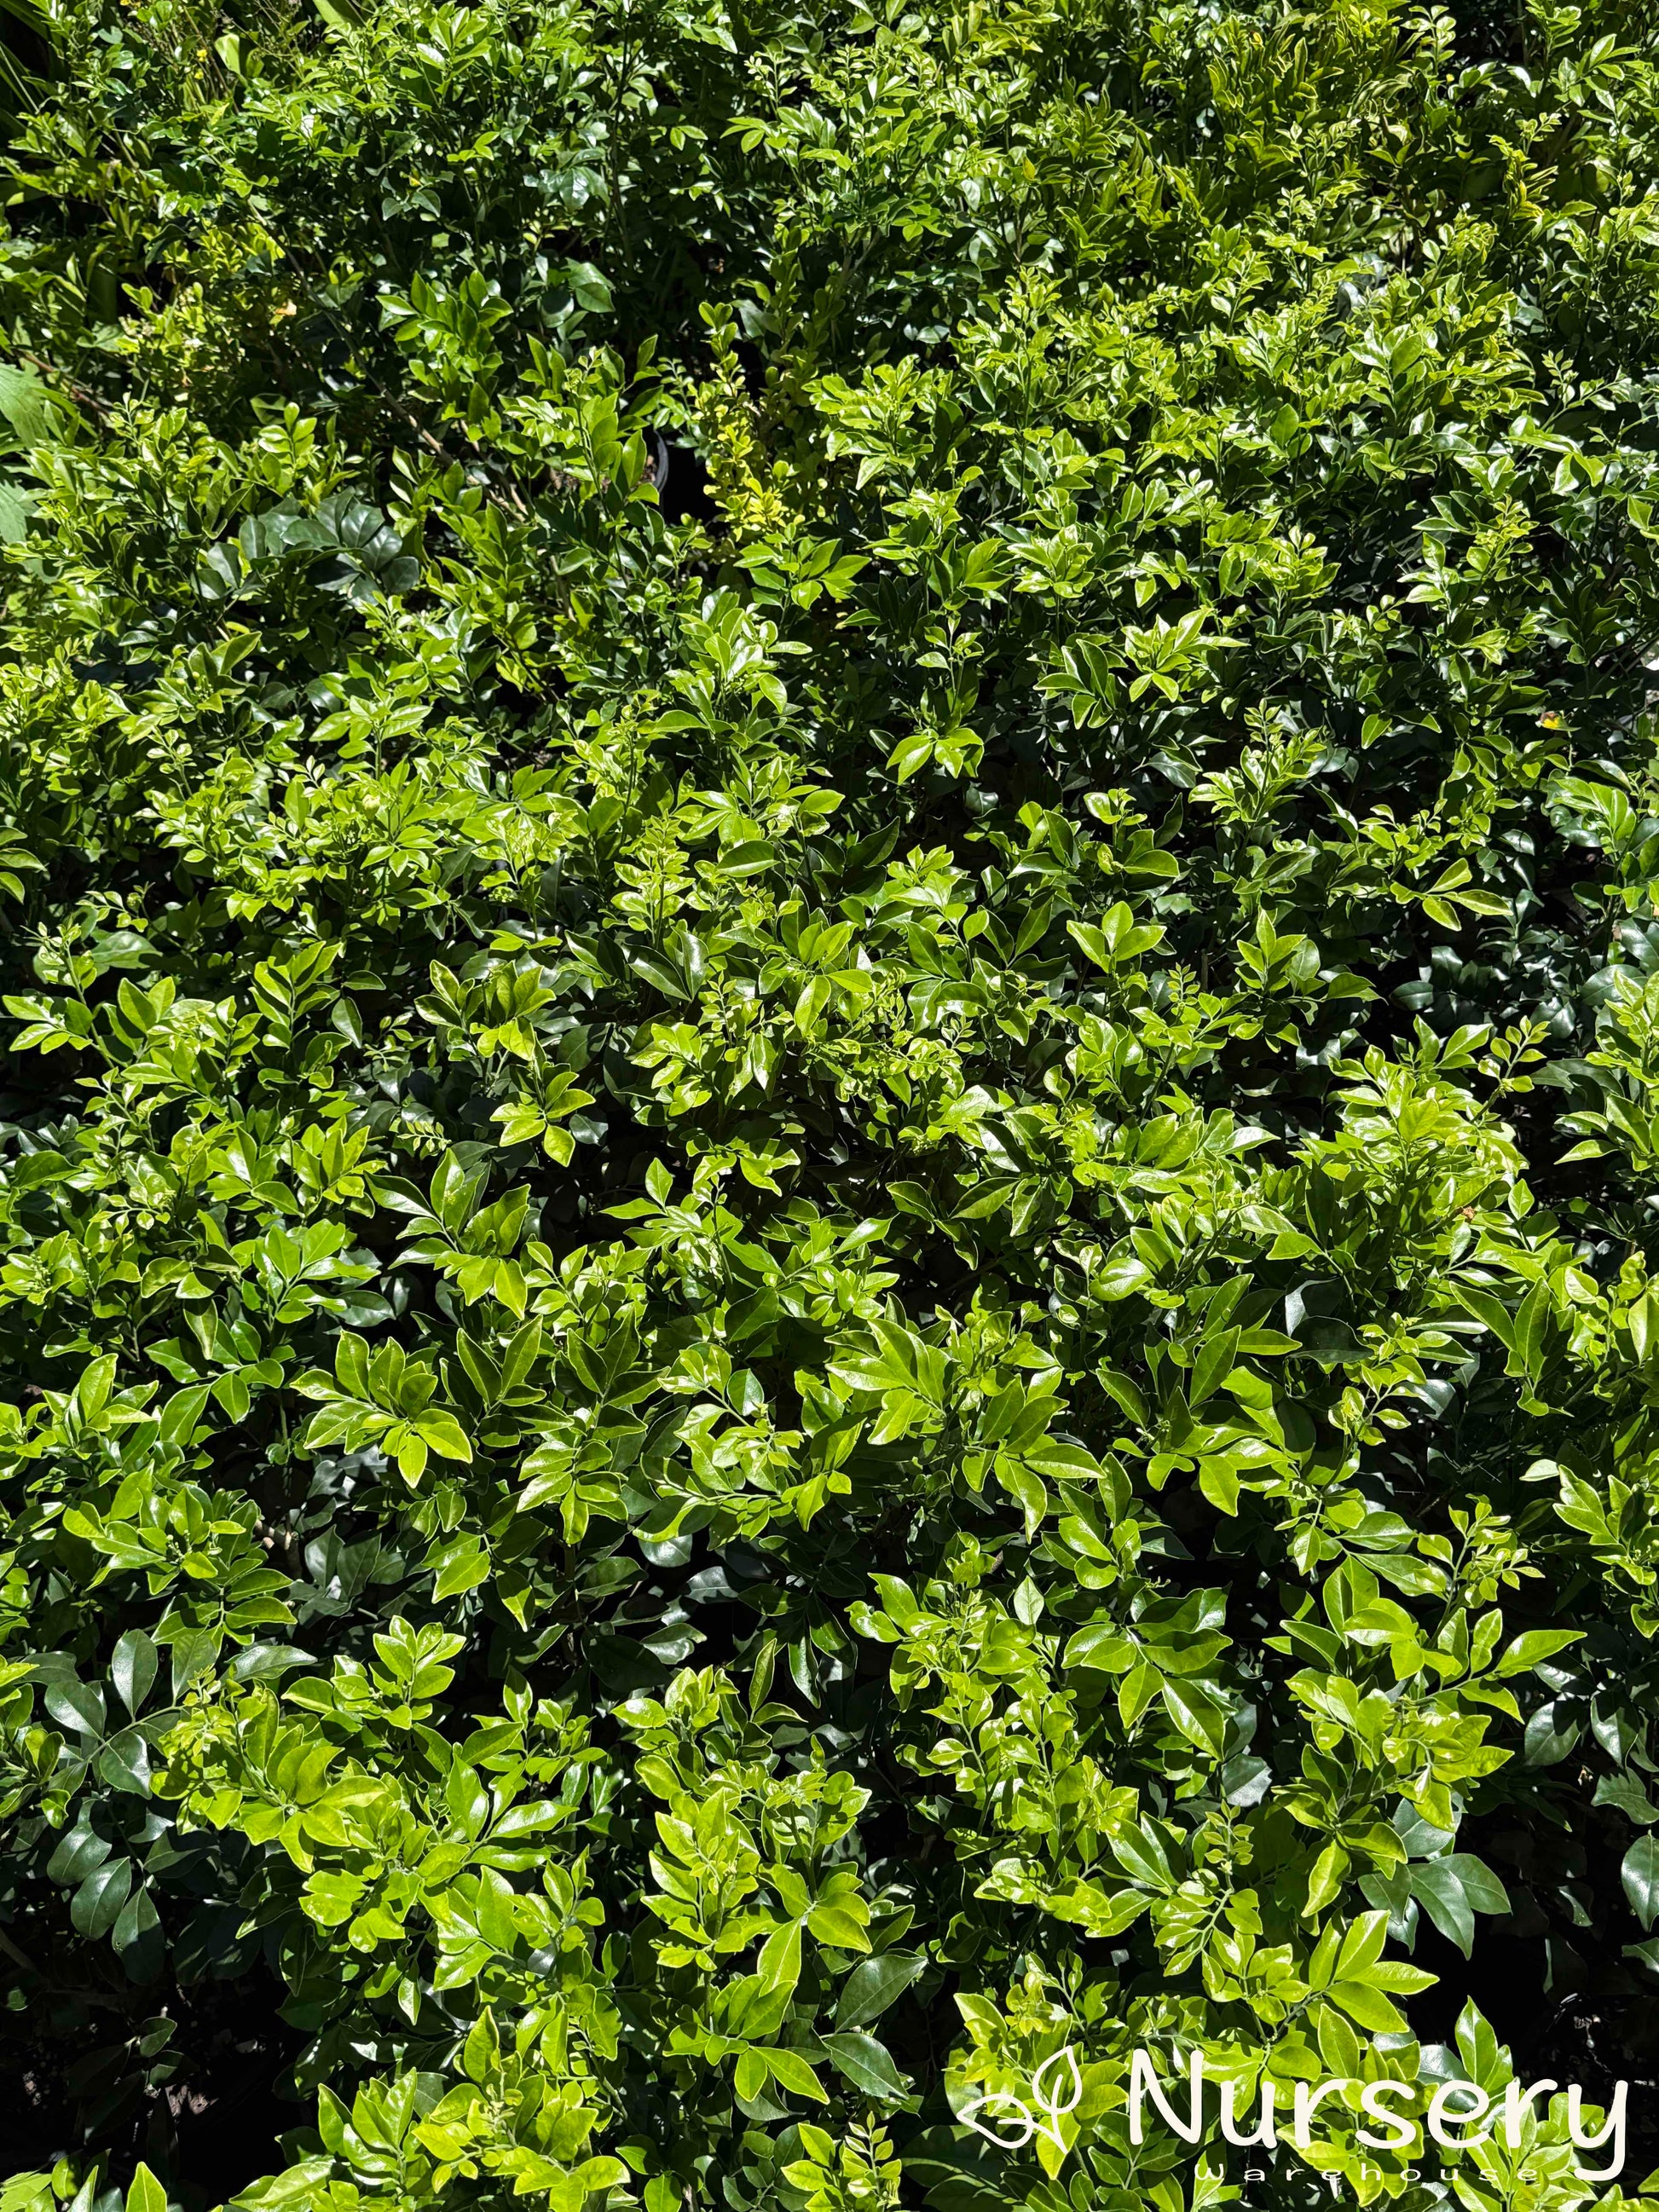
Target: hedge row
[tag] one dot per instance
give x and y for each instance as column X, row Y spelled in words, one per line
column 830, row 901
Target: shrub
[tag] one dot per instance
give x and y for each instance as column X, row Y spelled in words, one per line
column 831, row 914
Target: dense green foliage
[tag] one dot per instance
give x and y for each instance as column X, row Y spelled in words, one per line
column 830, row 911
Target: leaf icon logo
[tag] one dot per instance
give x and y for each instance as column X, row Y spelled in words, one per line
column 1058, row 2096
column 1056, row 2089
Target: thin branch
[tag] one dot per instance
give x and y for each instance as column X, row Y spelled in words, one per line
column 22, row 1957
